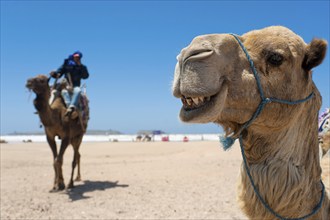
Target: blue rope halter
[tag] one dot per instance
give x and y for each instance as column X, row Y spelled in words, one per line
column 227, row 142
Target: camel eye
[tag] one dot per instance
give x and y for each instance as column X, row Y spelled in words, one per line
column 275, row 59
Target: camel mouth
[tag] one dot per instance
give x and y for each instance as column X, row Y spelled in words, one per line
column 194, row 103
column 204, row 108
column 194, row 109
column 29, row 85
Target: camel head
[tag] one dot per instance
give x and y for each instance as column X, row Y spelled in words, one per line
column 214, row 80
column 38, row 84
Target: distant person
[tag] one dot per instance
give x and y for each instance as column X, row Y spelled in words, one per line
column 74, row 71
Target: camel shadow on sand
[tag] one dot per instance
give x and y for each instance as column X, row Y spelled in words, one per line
column 77, row 193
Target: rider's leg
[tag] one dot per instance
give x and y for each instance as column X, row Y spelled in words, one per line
column 66, row 97
column 75, row 97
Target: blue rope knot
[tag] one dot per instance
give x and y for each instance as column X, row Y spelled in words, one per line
column 227, row 142
column 267, row 100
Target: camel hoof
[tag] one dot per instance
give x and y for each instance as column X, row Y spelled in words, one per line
column 70, row 186
column 78, row 179
column 53, row 190
column 61, row 186
column 58, row 188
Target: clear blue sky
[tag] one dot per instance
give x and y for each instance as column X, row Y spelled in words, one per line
column 130, row 50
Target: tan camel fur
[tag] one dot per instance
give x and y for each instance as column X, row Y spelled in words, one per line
column 53, row 118
column 215, row 83
column 325, row 145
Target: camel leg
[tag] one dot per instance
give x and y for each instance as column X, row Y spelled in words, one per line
column 79, row 140
column 78, row 177
column 76, row 156
column 59, row 163
column 76, row 160
column 53, row 147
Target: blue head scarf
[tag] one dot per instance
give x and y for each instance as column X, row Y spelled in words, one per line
column 78, row 53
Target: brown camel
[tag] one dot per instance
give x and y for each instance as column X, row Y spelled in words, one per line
column 216, row 83
column 56, row 123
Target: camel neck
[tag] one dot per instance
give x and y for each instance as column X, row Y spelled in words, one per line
column 292, row 144
column 43, row 108
column 285, row 167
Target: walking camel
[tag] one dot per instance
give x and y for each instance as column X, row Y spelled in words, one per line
column 69, row 129
column 259, row 88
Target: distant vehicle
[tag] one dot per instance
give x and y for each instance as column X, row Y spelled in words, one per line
column 165, row 139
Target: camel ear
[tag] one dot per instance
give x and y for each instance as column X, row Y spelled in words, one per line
column 315, row 53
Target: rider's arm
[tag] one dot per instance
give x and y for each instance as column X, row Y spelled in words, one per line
column 56, row 74
column 84, row 72
column 61, row 70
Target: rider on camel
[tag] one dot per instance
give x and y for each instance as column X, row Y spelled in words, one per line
column 74, row 71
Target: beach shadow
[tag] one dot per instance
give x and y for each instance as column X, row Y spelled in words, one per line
column 77, row 193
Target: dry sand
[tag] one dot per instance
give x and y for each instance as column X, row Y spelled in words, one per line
column 155, row 180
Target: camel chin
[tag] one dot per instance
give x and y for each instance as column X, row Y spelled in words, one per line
column 203, row 109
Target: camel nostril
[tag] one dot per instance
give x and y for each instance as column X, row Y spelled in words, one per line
column 198, row 54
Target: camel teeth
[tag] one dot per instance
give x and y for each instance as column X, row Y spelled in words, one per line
column 196, row 100
column 183, row 100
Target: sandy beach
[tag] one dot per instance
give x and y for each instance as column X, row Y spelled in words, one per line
column 125, row 180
